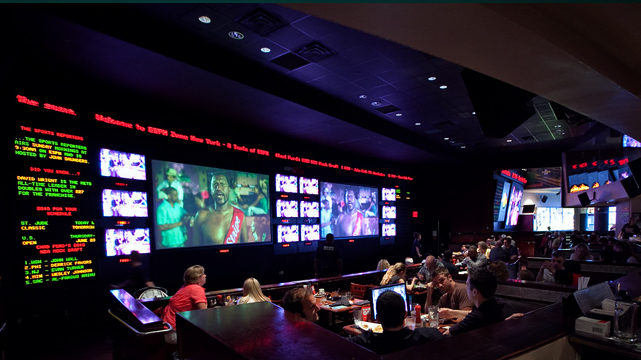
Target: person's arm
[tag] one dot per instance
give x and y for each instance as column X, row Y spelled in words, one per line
column 446, row 313
column 201, row 306
column 418, row 252
column 430, row 289
column 546, row 265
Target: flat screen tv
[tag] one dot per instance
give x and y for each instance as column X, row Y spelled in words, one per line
column 354, row 210
column 389, row 212
column 286, row 208
column 308, row 186
column 505, row 197
column 627, row 141
column 375, row 292
column 223, row 207
column 515, row 205
column 310, row 232
column 124, row 241
column 287, row 233
column 388, row 194
column 122, row 165
column 309, row 209
column 286, row 183
column 121, row 203
column 389, row 229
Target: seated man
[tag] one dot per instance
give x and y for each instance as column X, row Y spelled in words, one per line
column 474, row 259
column 454, row 303
column 390, row 308
column 301, row 303
column 498, row 253
column 481, row 286
column 547, row 270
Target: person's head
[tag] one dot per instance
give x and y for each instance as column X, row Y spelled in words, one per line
column 350, row 199
column 251, row 287
column 447, row 255
column 195, row 275
column 409, row 261
column 134, row 257
column 481, row 284
column 443, row 279
column 329, row 238
column 581, row 251
column 482, row 246
column 220, row 188
column 499, row 269
column 472, row 252
column 417, row 236
column 301, row 301
column 172, row 194
column 390, row 309
column 632, row 221
column 430, row 263
column 525, row 275
column 558, row 258
column 623, row 248
column 396, row 269
column 498, row 243
column 172, row 175
column 325, row 204
column 383, row 264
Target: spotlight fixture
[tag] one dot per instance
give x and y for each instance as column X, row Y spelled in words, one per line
column 462, row 146
column 376, row 103
column 509, row 140
column 265, row 50
column 431, row 78
column 446, row 138
column 417, row 124
column 473, row 112
column 236, row 35
column 363, row 96
column 443, row 87
column 204, row 19
column 399, row 114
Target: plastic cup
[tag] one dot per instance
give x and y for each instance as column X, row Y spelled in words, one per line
column 410, row 323
column 358, row 316
column 434, row 318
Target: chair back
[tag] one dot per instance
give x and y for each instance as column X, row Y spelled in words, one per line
column 358, row 290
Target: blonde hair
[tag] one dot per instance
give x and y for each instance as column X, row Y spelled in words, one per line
column 193, row 273
column 252, row 292
column 383, row 264
column 393, row 270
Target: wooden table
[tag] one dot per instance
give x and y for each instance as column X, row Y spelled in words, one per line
column 327, row 314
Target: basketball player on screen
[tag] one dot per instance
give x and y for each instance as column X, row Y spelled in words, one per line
column 222, row 223
column 351, row 222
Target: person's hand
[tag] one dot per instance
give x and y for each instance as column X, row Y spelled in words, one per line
column 547, row 265
column 445, row 313
column 514, row 316
column 430, row 286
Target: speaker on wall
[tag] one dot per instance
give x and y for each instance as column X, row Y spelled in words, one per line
column 584, row 198
column 544, row 198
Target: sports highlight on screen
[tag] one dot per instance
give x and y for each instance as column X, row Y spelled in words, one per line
column 348, row 210
column 204, row 206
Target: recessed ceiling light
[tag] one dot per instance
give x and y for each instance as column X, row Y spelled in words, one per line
column 399, row 114
column 446, row 139
column 462, row 146
column 431, row 78
column 509, row 140
column 237, row 35
column 204, row 19
column 363, row 96
column 376, row 103
column 417, row 124
column 473, row 112
column 557, row 126
column 443, row 87
column 265, row 50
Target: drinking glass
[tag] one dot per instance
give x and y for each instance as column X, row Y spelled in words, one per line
column 625, row 321
column 410, row 322
column 432, row 311
column 358, row 316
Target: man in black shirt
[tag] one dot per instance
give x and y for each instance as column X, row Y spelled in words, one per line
column 481, row 286
column 498, row 253
column 328, row 260
column 390, row 308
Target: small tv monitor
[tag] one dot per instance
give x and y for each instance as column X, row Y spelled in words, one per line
column 375, row 292
column 628, row 141
column 286, row 183
column 515, row 205
column 122, row 165
column 287, row 233
column 309, row 209
column 389, row 194
column 310, row 232
column 286, row 208
column 121, row 203
column 389, row 212
column 389, row 230
column 355, row 207
column 124, row 241
column 309, row 186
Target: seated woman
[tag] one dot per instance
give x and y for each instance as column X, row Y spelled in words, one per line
column 623, row 253
column 252, row 292
column 383, row 264
column 191, row 296
column 499, row 269
column 395, row 274
column 581, row 252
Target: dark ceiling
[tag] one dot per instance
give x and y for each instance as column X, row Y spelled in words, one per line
column 321, row 83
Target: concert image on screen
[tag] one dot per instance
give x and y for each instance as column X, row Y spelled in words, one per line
column 286, row 183
column 308, row 186
column 121, row 203
column 310, row 232
column 309, row 209
column 389, row 212
column 124, row 241
column 388, row 194
column 287, row 208
column 349, row 210
column 515, row 206
column 389, row 229
column 287, row 233
column 122, row 165
column 216, row 206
